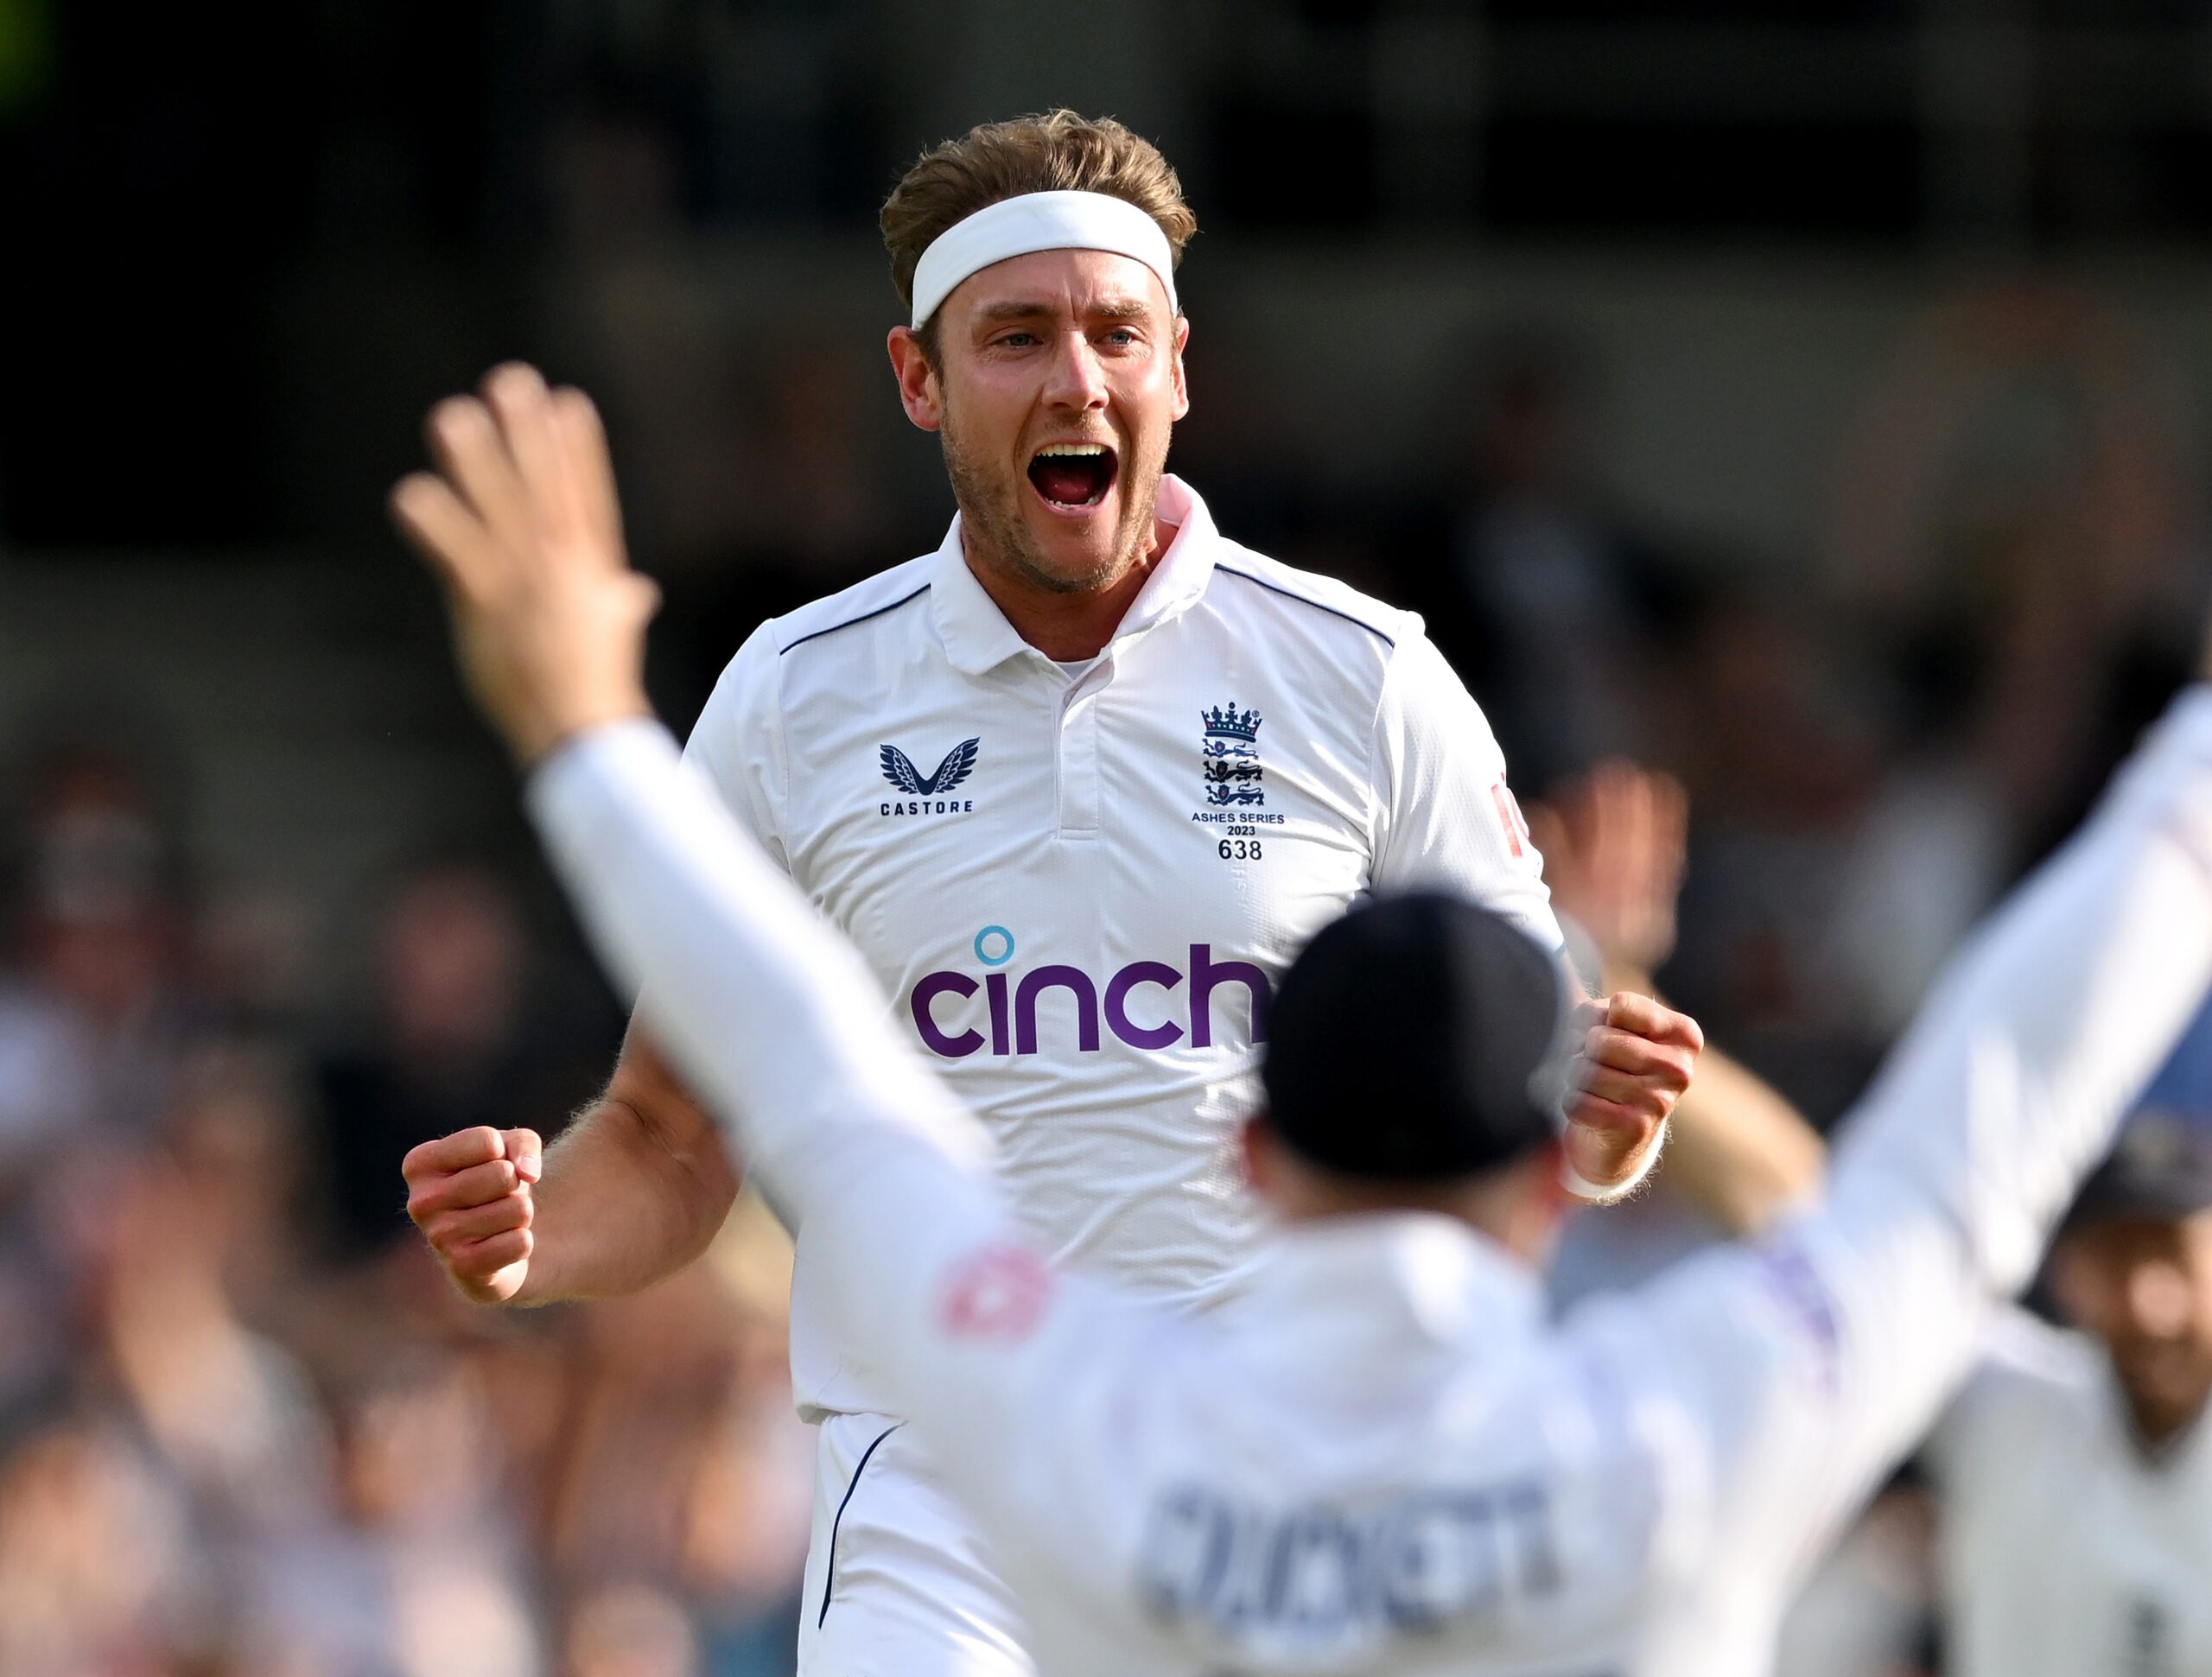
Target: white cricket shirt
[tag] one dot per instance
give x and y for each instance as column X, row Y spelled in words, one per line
column 1079, row 887
column 1388, row 1464
column 2065, row 1548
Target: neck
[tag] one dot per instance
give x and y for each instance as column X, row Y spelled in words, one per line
column 1065, row 625
column 1516, row 1206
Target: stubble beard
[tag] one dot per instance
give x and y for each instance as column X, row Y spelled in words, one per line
column 990, row 507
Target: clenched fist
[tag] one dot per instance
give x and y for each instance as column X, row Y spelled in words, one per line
column 470, row 1195
column 1636, row 1060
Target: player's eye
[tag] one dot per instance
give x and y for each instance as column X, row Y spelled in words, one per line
column 1017, row 341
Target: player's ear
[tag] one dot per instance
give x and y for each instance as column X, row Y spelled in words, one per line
column 919, row 391
column 1182, row 385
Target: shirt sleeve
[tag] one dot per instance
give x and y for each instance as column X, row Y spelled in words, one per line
column 738, row 743
column 779, row 1025
column 1447, row 818
column 1778, row 1382
column 2018, row 1361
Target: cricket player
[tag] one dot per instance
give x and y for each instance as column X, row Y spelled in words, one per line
column 1385, row 1460
column 1077, row 783
column 2076, row 1468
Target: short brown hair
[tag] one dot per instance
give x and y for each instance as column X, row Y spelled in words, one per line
column 1057, row 151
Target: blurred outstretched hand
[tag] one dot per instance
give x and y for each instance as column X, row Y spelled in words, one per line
column 1614, row 842
column 521, row 524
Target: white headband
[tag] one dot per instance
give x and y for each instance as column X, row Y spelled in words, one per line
column 1039, row 221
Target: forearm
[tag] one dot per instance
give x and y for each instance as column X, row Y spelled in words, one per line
column 1742, row 1153
column 621, row 1205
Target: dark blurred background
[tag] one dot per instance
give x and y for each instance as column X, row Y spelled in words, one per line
column 1810, row 400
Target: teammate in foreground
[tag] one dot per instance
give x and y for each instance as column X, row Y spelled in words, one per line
column 2075, row 1469
column 1077, row 785
column 1386, row 1462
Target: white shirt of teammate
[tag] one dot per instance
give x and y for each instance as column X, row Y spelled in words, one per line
column 2067, row 1548
column 1079, row 887
column 1389, row 1465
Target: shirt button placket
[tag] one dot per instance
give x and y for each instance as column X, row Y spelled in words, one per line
column 1078, row 754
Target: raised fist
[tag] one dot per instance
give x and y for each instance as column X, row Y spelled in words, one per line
column 469, row 1193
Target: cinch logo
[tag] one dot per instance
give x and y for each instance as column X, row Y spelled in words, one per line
column 1012, row 1004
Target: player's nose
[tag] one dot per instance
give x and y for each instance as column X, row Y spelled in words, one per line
column 1076, row 380
column 2158, row 1299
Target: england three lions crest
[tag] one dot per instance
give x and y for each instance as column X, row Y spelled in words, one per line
column 1229, row 756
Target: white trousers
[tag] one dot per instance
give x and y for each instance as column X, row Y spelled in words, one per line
column 897, row 1582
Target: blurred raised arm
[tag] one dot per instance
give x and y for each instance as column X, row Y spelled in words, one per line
column 1614, row 842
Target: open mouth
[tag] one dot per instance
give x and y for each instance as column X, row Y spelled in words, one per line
column 1072, row 475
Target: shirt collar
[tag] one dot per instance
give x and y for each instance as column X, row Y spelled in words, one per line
column 976, row 635
column 1352, row 1289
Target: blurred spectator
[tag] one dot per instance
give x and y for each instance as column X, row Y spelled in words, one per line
column 797, row 501
column 91, row 1025
column 1768, row 724
column 2018, row 404
column 452, row 1041
column 628, row 1630
column 227, row 1410
column 1542, row 596
column 97, row 1571
column 2014, row 519
column 2076, row 1468
column 217, row 1456
column 95, row 1022
column 684, row 1466
column 427, row 1571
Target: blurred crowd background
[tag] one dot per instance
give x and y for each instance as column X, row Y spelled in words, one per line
column 1811, row 400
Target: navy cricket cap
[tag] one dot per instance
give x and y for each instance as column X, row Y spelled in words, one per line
column 2162, row 1165
column 1412, row 1040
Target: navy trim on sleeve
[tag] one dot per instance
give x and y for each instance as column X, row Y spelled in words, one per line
column 1259, row 582
column 830, row 1565
column 850, row 621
